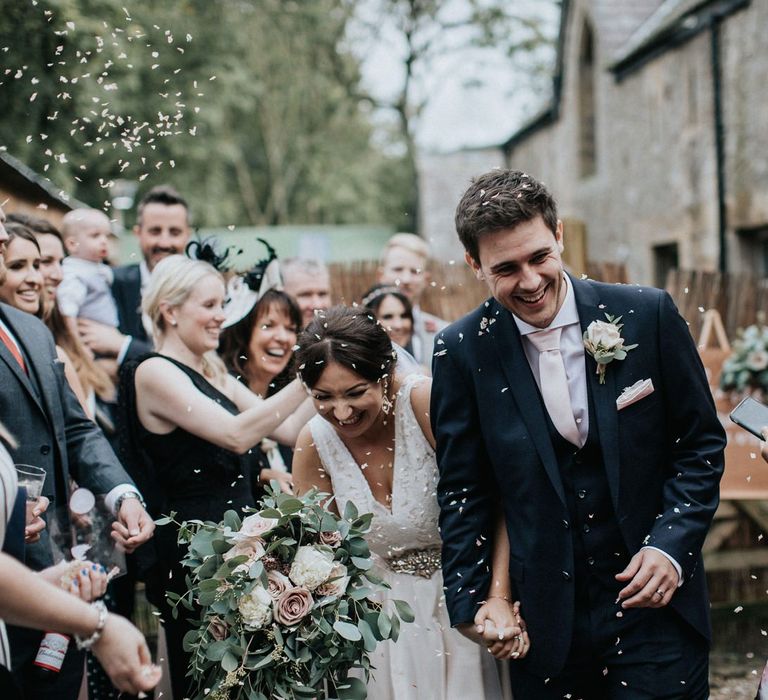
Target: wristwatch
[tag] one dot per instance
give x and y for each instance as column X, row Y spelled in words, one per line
column 126, row 496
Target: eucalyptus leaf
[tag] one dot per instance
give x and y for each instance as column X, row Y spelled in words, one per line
column 353, row 689
column 369, row 640
column 385, row 625
column 232, row 520
column 404, row 611
column 361, row 563
column 229, row 662
column 347, row 630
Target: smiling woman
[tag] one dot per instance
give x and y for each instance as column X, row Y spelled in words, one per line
column 371, row 444
column 190, row 428
column 23, row 282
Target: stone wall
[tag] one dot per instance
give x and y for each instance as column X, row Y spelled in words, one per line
column 655, row 181
column 443, row 178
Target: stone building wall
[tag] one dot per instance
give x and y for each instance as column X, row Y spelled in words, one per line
column 443, row 178
column 655, row 179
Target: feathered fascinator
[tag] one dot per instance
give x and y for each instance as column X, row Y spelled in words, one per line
column 244, row 291
column 207, row 250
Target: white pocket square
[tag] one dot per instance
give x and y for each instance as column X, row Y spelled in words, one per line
column 632, row 394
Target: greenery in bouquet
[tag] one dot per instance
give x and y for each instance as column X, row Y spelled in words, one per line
column 284, row 601
column 747, row 366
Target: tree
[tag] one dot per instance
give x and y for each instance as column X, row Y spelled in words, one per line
column 236, row 103
column 422, row 31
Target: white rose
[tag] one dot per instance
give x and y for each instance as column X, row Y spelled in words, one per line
column 254, row 527
column 256, row 608
column 337, row 587
column 253, row 549
column 600, row 333
column 757, row 360
column 311, row 567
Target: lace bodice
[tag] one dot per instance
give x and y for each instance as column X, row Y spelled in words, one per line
column 412, row 521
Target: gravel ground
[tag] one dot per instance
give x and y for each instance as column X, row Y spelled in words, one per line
column 742, row 687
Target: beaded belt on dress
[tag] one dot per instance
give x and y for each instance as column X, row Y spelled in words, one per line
column 416, row 562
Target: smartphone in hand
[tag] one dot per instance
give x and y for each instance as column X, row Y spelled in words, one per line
column 752, row 416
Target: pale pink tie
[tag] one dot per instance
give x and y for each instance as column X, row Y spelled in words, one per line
column 554, row 383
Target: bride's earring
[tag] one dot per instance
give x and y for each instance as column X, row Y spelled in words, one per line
column 386, row 403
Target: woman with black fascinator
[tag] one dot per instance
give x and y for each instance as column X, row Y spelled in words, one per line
column 192, row 428
column 257, row 342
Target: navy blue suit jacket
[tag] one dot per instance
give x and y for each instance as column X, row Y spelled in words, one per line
column 663, row 458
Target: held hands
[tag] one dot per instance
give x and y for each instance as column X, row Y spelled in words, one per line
column 123, row 653
column 652, row 580
column 34, row 523
column 133, row 526
column 500, row 628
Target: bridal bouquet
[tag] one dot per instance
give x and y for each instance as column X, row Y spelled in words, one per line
column 286, row 602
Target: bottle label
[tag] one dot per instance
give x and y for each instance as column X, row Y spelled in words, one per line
column 52, row 650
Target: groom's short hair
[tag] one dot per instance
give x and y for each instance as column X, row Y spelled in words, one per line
column 502, row 199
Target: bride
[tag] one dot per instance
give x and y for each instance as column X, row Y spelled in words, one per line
column 371, row 443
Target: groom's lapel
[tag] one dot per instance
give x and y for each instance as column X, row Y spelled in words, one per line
column 604, row 396
column 524, row 391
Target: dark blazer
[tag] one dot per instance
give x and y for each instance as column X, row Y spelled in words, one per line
column 46, row 419
column 126, row 290
column 663, row 459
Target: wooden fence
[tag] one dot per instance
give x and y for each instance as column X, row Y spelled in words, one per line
column 453, row 290
column 740, row 299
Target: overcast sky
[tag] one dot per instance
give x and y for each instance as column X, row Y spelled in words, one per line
column 477, row 97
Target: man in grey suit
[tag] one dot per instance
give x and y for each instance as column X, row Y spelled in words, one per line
column 39, row 409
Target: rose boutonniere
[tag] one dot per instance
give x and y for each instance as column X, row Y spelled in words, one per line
column 603, row 341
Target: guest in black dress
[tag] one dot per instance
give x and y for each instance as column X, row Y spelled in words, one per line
column 257, row 342
column 191, row 428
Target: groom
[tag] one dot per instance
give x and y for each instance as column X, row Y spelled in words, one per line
column 607, row 494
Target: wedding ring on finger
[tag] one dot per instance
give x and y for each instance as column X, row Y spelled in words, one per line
column 660, row 592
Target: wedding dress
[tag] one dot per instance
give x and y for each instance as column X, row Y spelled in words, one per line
column 430, row 660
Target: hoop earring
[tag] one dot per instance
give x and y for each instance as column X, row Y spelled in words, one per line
column 386, row 403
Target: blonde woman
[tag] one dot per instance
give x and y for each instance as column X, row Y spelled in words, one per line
column 191, row 426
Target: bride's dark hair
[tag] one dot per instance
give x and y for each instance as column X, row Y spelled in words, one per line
column 347, row 335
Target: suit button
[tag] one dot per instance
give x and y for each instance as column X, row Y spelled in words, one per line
column 581, row 493
column 578, row 459
column 45, row 449
column 566, row 524
column 585, row 528
column 591, row 561
column 566, row 576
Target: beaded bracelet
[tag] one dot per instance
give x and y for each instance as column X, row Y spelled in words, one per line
column 86, row 644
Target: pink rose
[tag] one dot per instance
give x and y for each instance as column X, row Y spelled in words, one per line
column 253, row 549
column 254, row 527
column 331, row 539
column 293, row 605
column 218, row 628
column 277, row 584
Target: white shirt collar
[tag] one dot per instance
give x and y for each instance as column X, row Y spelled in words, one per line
column 566, row 316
